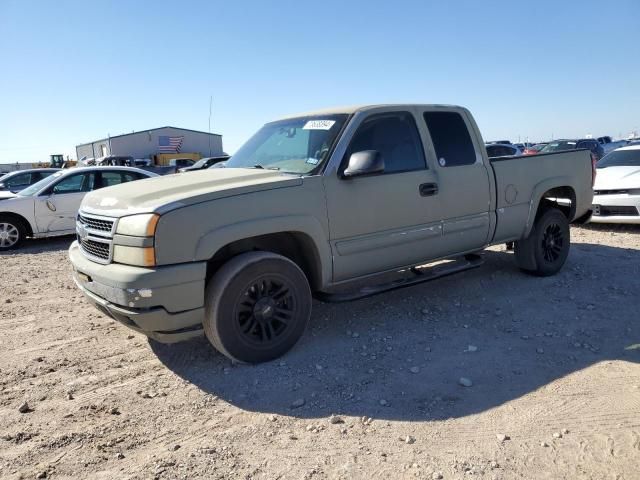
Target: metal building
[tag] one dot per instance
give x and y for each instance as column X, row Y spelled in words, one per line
column 147, row 143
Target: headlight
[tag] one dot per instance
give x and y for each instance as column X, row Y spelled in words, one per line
column 140, row 256
column 143, row 225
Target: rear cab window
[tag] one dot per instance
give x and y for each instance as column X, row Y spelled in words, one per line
column 451, row 139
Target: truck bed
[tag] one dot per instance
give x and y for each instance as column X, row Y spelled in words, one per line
column 521, row 182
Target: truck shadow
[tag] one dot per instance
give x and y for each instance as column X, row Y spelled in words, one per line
column 401, row 355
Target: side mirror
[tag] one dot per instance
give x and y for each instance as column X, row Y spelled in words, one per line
column 366, row 162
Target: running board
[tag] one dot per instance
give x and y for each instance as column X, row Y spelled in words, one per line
column 459, row 264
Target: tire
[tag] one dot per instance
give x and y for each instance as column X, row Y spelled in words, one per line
column 545, row 250
column 12, row 233
column 257, row 307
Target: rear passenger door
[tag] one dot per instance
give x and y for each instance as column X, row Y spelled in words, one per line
column 464, row 182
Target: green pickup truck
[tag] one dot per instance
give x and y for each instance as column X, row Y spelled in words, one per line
column 327, row 204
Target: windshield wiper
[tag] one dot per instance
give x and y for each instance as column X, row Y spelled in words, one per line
column 262, row 167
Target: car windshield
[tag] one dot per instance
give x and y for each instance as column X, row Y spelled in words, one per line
column 296, row 145
column 36, row 187
column 620, row 158
column 559, row 146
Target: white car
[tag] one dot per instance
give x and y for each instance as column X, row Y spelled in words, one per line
column 616, row 192
column 49, row 207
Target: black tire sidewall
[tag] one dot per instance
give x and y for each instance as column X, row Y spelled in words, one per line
column 221, row 316
column 551, row 216
column 21, row 232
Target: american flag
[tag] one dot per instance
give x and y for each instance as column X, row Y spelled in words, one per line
column 168, row 144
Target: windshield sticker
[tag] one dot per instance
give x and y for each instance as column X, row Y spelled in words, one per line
column 318, row 125
column 313, row 161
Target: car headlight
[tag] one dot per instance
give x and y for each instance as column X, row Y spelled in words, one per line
column 140, row 256
column 143, row 225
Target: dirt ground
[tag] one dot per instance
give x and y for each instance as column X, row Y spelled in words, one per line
column 553, row 365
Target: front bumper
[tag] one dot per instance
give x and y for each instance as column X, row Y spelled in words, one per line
column 617, row 208
column 165, row 303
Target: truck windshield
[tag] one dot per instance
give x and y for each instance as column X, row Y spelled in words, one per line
column 295, row 145
column 620, row 158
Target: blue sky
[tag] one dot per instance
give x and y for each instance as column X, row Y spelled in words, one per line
column 75, row 71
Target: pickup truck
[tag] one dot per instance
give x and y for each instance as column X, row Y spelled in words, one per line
column 323, row 204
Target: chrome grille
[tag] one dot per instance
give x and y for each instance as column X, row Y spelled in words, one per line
column 99, row 224
column 101, row 250
column 95, row 234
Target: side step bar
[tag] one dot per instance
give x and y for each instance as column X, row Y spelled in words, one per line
column 420, row 275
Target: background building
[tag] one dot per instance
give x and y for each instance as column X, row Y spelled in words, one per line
column 147, row 143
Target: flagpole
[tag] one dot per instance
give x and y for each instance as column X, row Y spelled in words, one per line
column 210, row 107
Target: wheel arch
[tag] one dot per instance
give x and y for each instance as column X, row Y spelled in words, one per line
column 301, row 243
column 557, row 193
column 19, row 218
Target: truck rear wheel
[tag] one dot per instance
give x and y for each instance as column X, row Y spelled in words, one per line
column 545, row 250
column 258, row 305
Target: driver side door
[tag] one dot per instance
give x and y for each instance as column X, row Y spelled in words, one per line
column 56, row 210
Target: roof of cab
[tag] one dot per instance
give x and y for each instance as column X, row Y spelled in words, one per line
column 351, row 109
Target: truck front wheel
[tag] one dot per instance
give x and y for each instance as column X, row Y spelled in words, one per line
column 258, row 305
column 545, row 250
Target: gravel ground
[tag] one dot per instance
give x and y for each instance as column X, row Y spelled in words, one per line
column 489, row 374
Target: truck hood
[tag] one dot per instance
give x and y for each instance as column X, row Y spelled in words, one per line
column 162, row 194
column 617, row 178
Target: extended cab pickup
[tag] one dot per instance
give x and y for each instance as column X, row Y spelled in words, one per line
column 319, row 204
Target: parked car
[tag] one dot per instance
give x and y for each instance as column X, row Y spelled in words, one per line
column 591, row 144
column 181, row 162
column 533, row 149
column 115, row 161
column 614, row 145
column 616, row 192
column 316, row 204
column 204, row 163
column 495, row 150
column 16, row 181
column 49, row 208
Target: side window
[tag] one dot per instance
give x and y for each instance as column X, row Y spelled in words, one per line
column 451, row 139
column 110, row 178
column 81, row 182
column 17, row 180
column 395, row 137
column 132, row 176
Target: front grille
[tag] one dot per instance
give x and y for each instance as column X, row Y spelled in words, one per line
column 610, row 192
column 619, row 210
column 99, row 224
column 95, row 235
column 95, row 249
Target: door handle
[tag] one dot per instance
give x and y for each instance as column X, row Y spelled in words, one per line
column 428, row 189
